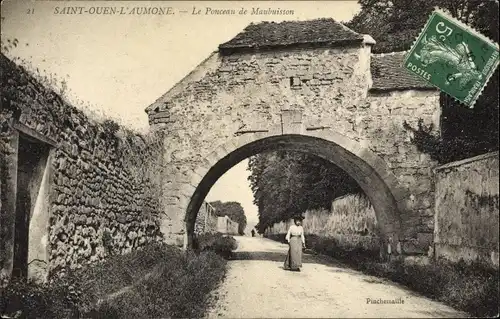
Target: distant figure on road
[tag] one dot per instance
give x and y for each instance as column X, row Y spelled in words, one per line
column 253, row 233
column 296, row 240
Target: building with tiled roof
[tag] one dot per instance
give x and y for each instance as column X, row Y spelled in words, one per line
column 388, row 73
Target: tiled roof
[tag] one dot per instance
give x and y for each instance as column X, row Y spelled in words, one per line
column 388, row 73
column 267, row 35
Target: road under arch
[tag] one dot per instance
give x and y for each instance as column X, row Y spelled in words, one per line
column 363, row 167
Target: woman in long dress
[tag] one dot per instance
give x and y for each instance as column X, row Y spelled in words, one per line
column 296, row 240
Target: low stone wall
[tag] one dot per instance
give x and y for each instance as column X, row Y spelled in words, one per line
column 226, row 226
column 206, row 220
column 100, row 192
column 351, row 222
column 467, row 210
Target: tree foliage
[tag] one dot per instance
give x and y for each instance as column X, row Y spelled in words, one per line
column 286, row 184
column 395, row 25
column 234, row 211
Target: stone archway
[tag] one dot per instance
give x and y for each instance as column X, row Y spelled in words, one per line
column 354, row 157
column 304, row 89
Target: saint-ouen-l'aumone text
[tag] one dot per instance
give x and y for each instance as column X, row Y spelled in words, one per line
column 107, row 10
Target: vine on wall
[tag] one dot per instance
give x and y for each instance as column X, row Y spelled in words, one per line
column 453, row 148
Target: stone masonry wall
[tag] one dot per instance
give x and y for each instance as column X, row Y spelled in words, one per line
column 467, row 210
column 412, row 168
column 351, row 222
column 227, row 226
column 328, row 86
column 206, row 220
column 105, row 181
column 248, row 91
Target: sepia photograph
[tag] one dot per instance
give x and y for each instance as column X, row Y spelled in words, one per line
column 249, row 159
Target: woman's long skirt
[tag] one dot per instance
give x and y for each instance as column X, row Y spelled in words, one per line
column 293, row 259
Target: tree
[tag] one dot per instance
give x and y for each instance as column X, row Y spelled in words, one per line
column 286, row 184
column 395, row 25
column 234, row 211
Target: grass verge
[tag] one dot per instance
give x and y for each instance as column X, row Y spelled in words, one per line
column 472, row 288
column 156, row 281
column 218, row 243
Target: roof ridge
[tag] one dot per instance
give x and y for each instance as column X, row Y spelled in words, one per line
column 267, row 34
column 389, row 53
column 346, row 27
column 304, row 21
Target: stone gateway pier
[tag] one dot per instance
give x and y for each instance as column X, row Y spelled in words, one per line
column 308, row 86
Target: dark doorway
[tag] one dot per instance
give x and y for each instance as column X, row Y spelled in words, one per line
column 32, row 159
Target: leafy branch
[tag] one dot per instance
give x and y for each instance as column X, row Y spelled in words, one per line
column 449, row 150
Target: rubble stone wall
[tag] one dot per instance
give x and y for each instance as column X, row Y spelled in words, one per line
column 206, row 220
column 104, row 188
column 413, row 169
column 467, row 210
column 247, row 96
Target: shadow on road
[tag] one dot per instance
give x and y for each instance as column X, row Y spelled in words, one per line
column 325, row 280
column 333, row 264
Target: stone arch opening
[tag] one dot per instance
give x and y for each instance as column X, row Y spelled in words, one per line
column 367, row 169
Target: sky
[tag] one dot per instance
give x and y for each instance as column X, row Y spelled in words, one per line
column 118, row 64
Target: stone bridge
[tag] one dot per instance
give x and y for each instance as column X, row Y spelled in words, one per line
column 311, row 86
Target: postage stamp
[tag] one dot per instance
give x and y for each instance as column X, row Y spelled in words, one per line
column 453, row 57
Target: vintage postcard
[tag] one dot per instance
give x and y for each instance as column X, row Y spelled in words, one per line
column 249, row 159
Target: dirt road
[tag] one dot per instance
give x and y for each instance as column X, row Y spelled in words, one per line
column 257, row 287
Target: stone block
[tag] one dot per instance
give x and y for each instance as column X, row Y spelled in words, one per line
column 225, row 150
column 275, row 129
column 214, row 157
column 291, row 116
column 414, row 248
column 244, row 139
column 261, row 135
column 293, row 128
column 195, row 179
column 401, row 194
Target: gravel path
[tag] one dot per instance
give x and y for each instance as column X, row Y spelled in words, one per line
column 256, row 286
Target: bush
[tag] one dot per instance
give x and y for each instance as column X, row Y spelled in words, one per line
column 156, row 281
column 31, row 300
column 472, row 288
column 217, row 243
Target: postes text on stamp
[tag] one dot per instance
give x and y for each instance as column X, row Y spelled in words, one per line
column 453, row 57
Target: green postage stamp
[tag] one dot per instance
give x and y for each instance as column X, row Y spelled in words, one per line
column 453, row 57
